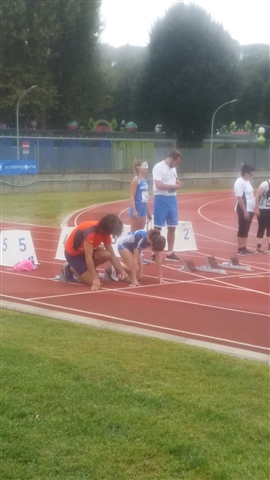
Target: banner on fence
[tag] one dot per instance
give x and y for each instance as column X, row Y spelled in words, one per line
column 18, row 167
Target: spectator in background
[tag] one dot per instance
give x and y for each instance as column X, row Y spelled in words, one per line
column 165, row 186
column 244, row 207
column 262, row 210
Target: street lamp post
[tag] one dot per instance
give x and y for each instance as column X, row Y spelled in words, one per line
column 212, row 132
column 17, row 116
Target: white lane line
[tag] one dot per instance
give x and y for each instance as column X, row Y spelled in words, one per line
column 217, row 223
column 185, row 332
column 28, row 224
column 137, row 292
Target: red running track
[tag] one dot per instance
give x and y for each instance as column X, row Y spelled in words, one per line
column 229, row 313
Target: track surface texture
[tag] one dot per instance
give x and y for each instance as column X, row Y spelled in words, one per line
column 228, row 313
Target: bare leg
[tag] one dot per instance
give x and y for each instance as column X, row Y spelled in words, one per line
column 171, row 238
column 241, row 242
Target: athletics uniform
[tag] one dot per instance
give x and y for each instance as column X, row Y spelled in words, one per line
column 244, row 189
column 74, row 246
column 133, row 240
column 264, row 207
column 165, row 201
column 141, row 198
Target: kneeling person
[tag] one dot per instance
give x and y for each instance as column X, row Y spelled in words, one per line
column 130, row 247
column 83, row 250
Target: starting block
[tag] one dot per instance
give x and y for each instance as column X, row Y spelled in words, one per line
column 210, row 267
column 234, row 264
column 16, row 245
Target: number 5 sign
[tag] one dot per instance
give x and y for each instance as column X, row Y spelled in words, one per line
column 16, row 245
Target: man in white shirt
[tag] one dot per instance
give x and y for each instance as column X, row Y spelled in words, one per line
column 262, row 210
column 165, row 186
column 245, row 207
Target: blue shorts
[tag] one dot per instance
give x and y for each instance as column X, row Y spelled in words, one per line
column 77, row 262
column 165, row 211
column 141, row 210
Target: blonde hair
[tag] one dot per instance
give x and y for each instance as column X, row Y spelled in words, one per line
column 136, row 165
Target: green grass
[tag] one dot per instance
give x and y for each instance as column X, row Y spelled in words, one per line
column 49, row 208
column 80, row 403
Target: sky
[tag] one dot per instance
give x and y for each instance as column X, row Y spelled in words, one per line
column 129, row 21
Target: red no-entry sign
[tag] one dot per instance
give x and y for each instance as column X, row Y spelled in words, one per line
column 25, row 148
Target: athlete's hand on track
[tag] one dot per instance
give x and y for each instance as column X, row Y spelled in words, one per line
column 122, row 275
column 96, row 284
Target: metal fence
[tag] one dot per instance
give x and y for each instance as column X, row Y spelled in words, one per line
column 74, row 155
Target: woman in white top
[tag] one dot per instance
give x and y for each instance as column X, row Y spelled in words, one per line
column 245, row 207
column 262, row 210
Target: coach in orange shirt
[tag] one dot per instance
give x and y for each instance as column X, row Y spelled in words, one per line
column 83, row 250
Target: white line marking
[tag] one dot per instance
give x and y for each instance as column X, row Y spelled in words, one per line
column 87, row 313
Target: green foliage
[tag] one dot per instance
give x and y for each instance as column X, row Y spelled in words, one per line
column 192, row 68
column 121, row 68
column 51, row 44
column 254, row 94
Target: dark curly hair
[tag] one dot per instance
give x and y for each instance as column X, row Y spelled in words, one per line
column 111, row 225
column 158, row 241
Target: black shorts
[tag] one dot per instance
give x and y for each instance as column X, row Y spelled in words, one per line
column 264, row 222
column 243, row 223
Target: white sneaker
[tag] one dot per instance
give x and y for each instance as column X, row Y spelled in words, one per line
column 112, row 274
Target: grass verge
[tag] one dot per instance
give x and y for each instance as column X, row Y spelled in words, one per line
column 80, row 403
column 49, row 208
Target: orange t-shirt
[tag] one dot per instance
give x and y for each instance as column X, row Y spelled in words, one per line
column 85, row 232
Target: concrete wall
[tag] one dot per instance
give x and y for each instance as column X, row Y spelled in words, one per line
column 87, row 182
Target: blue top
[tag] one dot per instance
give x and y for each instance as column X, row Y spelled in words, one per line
column 142, row 195
column 132, row 240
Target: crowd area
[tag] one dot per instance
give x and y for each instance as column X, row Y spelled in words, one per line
column 89, row 245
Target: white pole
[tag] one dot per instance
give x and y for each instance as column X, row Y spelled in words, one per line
column 17, row 118
column 212, row 132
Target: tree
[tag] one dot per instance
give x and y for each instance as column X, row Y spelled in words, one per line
column 192, row 69
column 121, row 68
column 254, row 95
column 52, row 44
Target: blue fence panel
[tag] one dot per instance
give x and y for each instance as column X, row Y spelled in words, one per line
column 100, row 156
column 50, row 156
column 8, row 148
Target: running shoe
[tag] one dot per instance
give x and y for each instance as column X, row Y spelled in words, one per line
column 248, row 252
column 260, row 250
column 112, row 274
column 67, row 275
column 173, row 258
